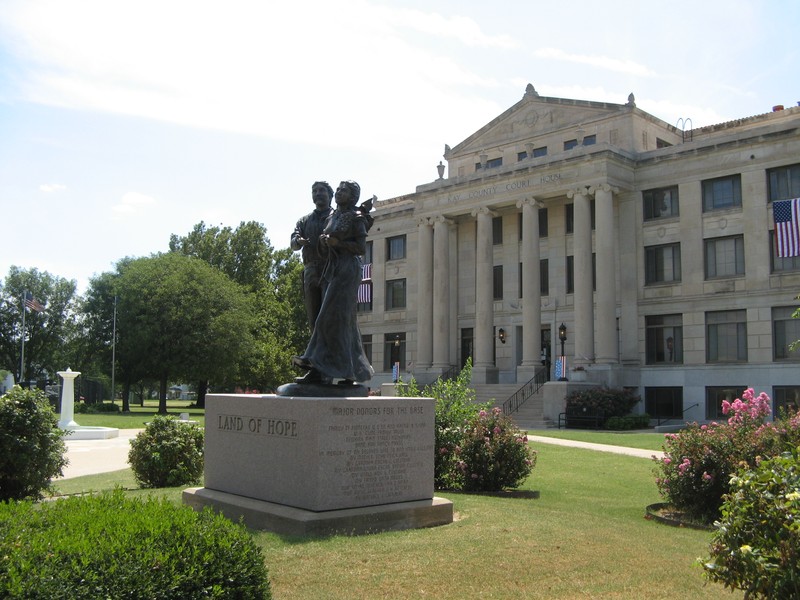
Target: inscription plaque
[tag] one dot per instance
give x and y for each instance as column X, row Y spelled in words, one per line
column 320, row 454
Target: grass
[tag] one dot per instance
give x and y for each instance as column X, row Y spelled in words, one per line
column 627, row 439
column 139, row 415
column 584, row 537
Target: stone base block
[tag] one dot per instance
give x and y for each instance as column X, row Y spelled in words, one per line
column 287, row 520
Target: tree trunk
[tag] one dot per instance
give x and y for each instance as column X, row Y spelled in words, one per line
column 202, row 390
column 162, row 396
column 126, row 394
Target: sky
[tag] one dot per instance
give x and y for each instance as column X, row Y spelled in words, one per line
column 123, row 122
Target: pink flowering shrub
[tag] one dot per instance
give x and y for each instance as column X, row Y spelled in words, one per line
column 698, row 462
column 494, row 454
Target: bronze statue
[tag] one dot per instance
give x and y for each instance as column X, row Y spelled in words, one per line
column 335, row 350
column 305, row 237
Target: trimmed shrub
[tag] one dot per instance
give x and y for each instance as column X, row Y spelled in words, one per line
column 612, row 402
column 628, row 422
column 698, row 462
column 97, row 407
column 494, row 454
column 108, row 546
column 167, row 453
column 455, row 407
column 757, row 545
column 31, row 446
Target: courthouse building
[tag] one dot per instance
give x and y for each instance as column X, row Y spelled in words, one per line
column 653, row 244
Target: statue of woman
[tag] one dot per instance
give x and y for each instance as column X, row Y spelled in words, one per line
column 335, row 350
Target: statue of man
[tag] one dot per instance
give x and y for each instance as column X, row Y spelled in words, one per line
column 305, row 237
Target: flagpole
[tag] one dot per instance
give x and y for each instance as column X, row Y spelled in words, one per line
column 22, row 353
column 114, row 351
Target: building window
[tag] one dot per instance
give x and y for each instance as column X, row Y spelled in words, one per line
column 394, row 351
column 570, row 144
column 571, row 273
column 519, row 280
column 714, row 398
column 544, row 277
column 785, row 330
column 663, row 339
column 521, row 156
column 726, row 336
column 368, row 253
column 660, row 203
column 663, row 402
column 396, row 247
column 395, row 294
column 590, row 140
column 569, row 218
column 785, row 398
column 781, row 263
column 723, row 192
column 724, row 257
column 490, row 164
column 538, row 152
column 366, row 343
column 784, row 182
column 542, row 222
column 497, row 282
column 497, row 231
column 662, row 263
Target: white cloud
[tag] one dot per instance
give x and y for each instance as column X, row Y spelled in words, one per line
column 49, row 188
column 625, row 66
column 132, row 203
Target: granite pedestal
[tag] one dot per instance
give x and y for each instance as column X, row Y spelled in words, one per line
column 318, row 466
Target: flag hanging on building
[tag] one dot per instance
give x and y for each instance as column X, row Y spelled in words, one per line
column 787, row 227
column 366, row 272
column 365, row 292
column 32, row 303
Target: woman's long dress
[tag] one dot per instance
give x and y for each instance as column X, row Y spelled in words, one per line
column 335, row 348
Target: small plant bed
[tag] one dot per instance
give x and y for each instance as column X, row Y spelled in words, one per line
column 665, row 513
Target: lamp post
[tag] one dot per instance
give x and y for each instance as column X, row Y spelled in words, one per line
column 562, row 335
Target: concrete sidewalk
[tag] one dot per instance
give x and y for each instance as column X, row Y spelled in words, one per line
column 89, row 457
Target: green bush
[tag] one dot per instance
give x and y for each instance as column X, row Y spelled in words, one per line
column 612, row 402
column 31, row 446
column 698, row 462
column 167, row 453
column 97, row 407
column 757, row 545
column 494, row 454
column 455, row 407
column 108, row 546
column 628, row 422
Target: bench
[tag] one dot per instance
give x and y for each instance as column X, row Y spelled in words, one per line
column 581, row 418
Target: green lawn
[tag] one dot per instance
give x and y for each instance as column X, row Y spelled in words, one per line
column 584, row 537
column 628, row 439
column 138, row 415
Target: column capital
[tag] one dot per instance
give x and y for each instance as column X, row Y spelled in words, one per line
column 441, row 219
column 483, row 210
column 529, row 202
column 580, row 191
column 423, row 221
column 603, row 187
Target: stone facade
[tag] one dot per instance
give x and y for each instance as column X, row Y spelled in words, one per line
column 652, row 244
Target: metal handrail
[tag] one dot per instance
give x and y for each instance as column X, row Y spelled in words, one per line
column 658, row 418
column 526, row 391
column 451, row 373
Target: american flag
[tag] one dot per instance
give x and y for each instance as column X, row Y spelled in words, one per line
column 366, row 272
column 787, row 227
column 32, row 303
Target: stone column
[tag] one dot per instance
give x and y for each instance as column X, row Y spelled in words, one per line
column 441, row 293
column 484, row 299
column 68, row 398
column 583, row 331
column 607, row 346
column 531, row 288
column 425, row 295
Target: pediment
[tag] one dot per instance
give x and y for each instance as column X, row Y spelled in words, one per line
column 535, row 116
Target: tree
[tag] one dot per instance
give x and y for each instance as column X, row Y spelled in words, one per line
column 273, row 278
column 177, row 317
column 47, row 332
